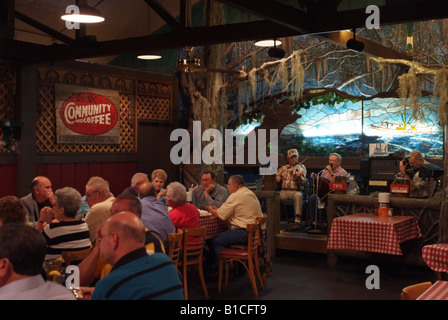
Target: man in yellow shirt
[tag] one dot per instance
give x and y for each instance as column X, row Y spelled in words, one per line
column 240, row 209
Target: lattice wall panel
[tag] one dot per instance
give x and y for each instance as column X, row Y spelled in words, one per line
column 154, row 101
column 7, row 106
column 153, row 108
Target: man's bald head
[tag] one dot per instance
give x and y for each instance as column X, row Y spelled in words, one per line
column 146, row 189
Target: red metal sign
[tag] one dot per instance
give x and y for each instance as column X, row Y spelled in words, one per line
column 89, row 113
column 340, row 186
column 399, row 188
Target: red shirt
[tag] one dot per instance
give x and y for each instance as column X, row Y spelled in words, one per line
column 185, row 216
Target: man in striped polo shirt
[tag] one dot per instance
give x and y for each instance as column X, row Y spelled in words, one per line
column 135, row 274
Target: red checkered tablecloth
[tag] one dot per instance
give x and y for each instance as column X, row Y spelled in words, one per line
column 367, row 232
column 436, row 256
column 438, row 291
column 214, row 226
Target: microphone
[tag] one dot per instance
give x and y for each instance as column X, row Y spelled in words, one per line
column 331, row 165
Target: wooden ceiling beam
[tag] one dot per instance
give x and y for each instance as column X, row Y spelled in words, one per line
column 165, row 15
column 40, row 26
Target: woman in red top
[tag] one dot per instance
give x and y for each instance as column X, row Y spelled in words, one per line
column 183, row 214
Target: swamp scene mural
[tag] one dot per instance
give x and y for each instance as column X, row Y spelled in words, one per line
column 347, row 99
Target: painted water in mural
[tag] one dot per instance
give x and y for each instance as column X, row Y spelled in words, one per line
column 349, row 128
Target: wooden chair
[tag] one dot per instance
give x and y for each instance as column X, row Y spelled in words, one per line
column 174, row 249
column 264, row 260
column 192, row 251
column 75, row 257
column 248, row 258
column 413, row 291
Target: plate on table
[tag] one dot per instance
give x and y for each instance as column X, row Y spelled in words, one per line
column 203, row 214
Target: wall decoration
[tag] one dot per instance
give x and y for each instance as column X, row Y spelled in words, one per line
column 86, row 115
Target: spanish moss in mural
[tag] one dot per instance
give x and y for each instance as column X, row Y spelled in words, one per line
column 350, row 100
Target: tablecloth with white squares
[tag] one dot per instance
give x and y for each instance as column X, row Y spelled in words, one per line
column 367, row 232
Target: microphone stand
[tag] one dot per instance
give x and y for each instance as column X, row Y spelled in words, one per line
column 315, row 230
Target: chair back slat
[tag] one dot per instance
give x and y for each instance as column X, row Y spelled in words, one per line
column 175, row 244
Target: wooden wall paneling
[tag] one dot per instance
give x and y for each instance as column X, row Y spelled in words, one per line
column 8, row 182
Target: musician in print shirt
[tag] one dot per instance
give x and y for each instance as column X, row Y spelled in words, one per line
column 293, row 178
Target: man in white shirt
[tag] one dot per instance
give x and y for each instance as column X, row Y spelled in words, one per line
column 22, row 254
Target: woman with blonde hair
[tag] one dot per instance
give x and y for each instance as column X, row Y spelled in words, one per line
column 158, row 179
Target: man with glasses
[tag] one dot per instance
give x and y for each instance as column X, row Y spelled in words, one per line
column 209, row 193
column 93, row 267
column 100, row 199
column 135, row 275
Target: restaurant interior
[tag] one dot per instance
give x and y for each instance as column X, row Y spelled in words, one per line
column 364, row 79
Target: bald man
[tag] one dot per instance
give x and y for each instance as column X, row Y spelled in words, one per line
column 41, row 196
column 154, row 214
column 135, row 275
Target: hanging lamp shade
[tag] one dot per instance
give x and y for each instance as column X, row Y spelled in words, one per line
column 149, row 57
column 82, row 13
column 268, row 43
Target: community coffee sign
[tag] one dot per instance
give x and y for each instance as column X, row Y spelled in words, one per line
column 87, row 115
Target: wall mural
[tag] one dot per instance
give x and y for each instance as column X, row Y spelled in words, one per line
column 349, row 100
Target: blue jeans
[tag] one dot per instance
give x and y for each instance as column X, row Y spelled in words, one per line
column 226, row 239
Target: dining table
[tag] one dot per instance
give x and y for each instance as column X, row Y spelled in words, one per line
column 372, row 233
column 438, row 291
column 436, row 257
column 214, row 225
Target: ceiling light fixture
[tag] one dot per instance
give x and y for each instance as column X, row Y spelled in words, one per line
column 273, row 51
column 149, row 56
column 354, row 44
column 268, row 43
column 82, row 13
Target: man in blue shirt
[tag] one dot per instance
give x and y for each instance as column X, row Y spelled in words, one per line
column 135, row 275
column 154, row 213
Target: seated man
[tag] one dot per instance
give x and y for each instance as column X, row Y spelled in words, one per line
column 93, row 267
column 240, row 209
column 209, row 193
column 293, row 178
column 154, row 213
column 135, row 275
column 420, row 186
column 331, row 171
column 41, row 196
column 136, row 181
column 22, row 254
column 99, row 198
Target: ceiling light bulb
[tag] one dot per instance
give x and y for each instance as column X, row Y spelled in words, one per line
column 268, row 43
column 149, row 56
column 83, row 14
